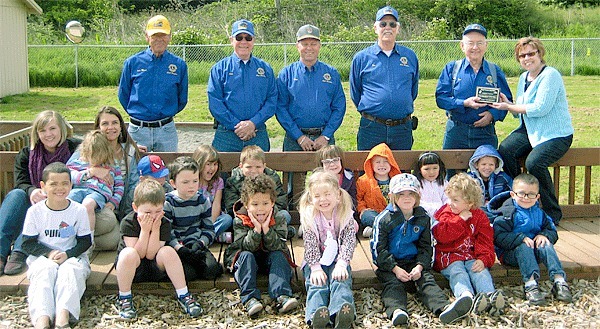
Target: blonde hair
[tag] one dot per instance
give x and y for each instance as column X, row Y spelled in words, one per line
column 252, row 152
column 96, row 149
column 203, row 155
column 467, row 188
column 533, row 42
column 148, row 191
column 394, row 198
column 325, row 179
column 41, row 121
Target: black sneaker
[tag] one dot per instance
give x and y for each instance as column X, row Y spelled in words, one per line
column 456, row 310
column 561, row 291
column 497, row 302
column 15, row 263
column 291, row 232
column 320, row 318
column 345, row 316
column 481, row 303
column 399, row 317
column 190, row 306
column 253, row 306
column 286, row 303
column 534, row 295
column 126, row 308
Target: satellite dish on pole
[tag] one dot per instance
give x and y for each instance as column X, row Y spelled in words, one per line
column 75, row 32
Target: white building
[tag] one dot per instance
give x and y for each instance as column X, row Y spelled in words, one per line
column 14, row 70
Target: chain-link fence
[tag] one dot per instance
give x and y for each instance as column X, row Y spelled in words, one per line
column 100, row 65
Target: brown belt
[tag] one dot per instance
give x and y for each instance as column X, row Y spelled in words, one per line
column 387, row 122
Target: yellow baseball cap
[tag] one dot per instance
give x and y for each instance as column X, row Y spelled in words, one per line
column 158, row 24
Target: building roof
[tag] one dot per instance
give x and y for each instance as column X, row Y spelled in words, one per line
column 33, row 7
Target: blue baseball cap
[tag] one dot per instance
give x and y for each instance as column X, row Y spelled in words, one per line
column 476, row 28
column 242, row 26
column 152, row 165
column 387, row 10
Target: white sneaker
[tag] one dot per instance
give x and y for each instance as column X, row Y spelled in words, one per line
column 399, row 317
column 367, row 232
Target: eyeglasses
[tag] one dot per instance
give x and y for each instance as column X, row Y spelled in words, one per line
column 327, row 162
column 248, row 37
column 531, row 54
column 523, row 195
column 470, row 44
column 391, row 24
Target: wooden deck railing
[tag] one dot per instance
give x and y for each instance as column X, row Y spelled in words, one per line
column 15, row 140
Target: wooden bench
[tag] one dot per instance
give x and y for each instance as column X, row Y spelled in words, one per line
column 579, row 231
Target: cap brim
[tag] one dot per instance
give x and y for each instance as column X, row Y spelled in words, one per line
column 161, row 173
column 475, row 30
column 405, row 189
column 154, row 31
column 308, row 37
column 242, row 31
column 380, row 18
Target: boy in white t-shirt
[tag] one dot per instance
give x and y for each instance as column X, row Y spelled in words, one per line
column 56, row 234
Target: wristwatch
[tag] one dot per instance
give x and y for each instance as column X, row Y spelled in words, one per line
column 326, row 138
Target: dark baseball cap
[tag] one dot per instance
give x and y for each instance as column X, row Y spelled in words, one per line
column 476, row 28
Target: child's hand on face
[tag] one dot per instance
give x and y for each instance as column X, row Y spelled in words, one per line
column 146, row 222
column 157, row 221
column 266, row 221
column 415, row 273
column 318, row 278
column 401, row 274
column 465, row 214
column 478, row 266
column 257, row 224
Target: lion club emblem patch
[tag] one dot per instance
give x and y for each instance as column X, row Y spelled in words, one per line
column 260, row 72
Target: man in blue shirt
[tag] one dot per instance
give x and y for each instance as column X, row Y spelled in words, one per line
column 242, row 94
column 384, row 82
column 470, row 123
column 311, row 103
column 153, row 89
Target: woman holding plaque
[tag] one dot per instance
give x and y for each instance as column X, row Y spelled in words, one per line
column 546, row 132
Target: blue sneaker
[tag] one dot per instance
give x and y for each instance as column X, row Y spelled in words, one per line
column 126, row 308
column 190, row 305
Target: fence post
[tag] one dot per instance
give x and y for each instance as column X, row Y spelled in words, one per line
column 284, row 55
column 572, row 57
column 184, row 47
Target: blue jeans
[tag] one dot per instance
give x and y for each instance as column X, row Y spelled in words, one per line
column 227, row 141
column 368, row 217
column 78, row 194
column 517, row 145
column 333, row 294
column 223, row 223
column 462, row 278
column 274, row 263
column 460, row 135
column 159, row 139
column 12, row 216
column 527, row 259
column 290, row 144
column 371, row 133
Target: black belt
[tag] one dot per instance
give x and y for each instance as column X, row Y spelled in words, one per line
column 151, row 124
column 387, row 122
column 311, row 131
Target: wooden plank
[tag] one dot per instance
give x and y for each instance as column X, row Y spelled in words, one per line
column 582, row 253
column 101, row 264
column 592, row 225
column 10, row 284
column 572, row 184
column 580, row 211
column 363, row 274
column 585, row 237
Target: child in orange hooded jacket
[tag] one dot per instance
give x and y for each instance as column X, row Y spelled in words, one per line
column 372, row 188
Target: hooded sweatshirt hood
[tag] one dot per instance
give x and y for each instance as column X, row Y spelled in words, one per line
column 485, row 151
column 384, row 151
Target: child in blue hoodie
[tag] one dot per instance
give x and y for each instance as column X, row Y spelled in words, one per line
column 486, row 167
column 524, row 235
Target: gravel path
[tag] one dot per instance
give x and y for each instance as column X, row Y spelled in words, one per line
column 190, row 138
column 223, row 310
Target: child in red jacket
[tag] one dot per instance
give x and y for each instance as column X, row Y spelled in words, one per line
column 465, row 246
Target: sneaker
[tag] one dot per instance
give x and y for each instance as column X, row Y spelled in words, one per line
column 320, row 318
column 286, row 303
column 399, row 317
column 367, row 232
column 345, row 316
column 16, row 263
column 126, row 308
column 456, row 310
column 190, row 305
column 481, row 303
column 291, row 232
column 497, row 302
column 534, row 295
column 561, row 291
column 225, row 237
column 253, row 306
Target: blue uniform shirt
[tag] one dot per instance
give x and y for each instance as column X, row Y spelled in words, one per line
column 452, row 99
column 153, row 88
column 239, row 91
column 310, row 98
column 385, row 87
